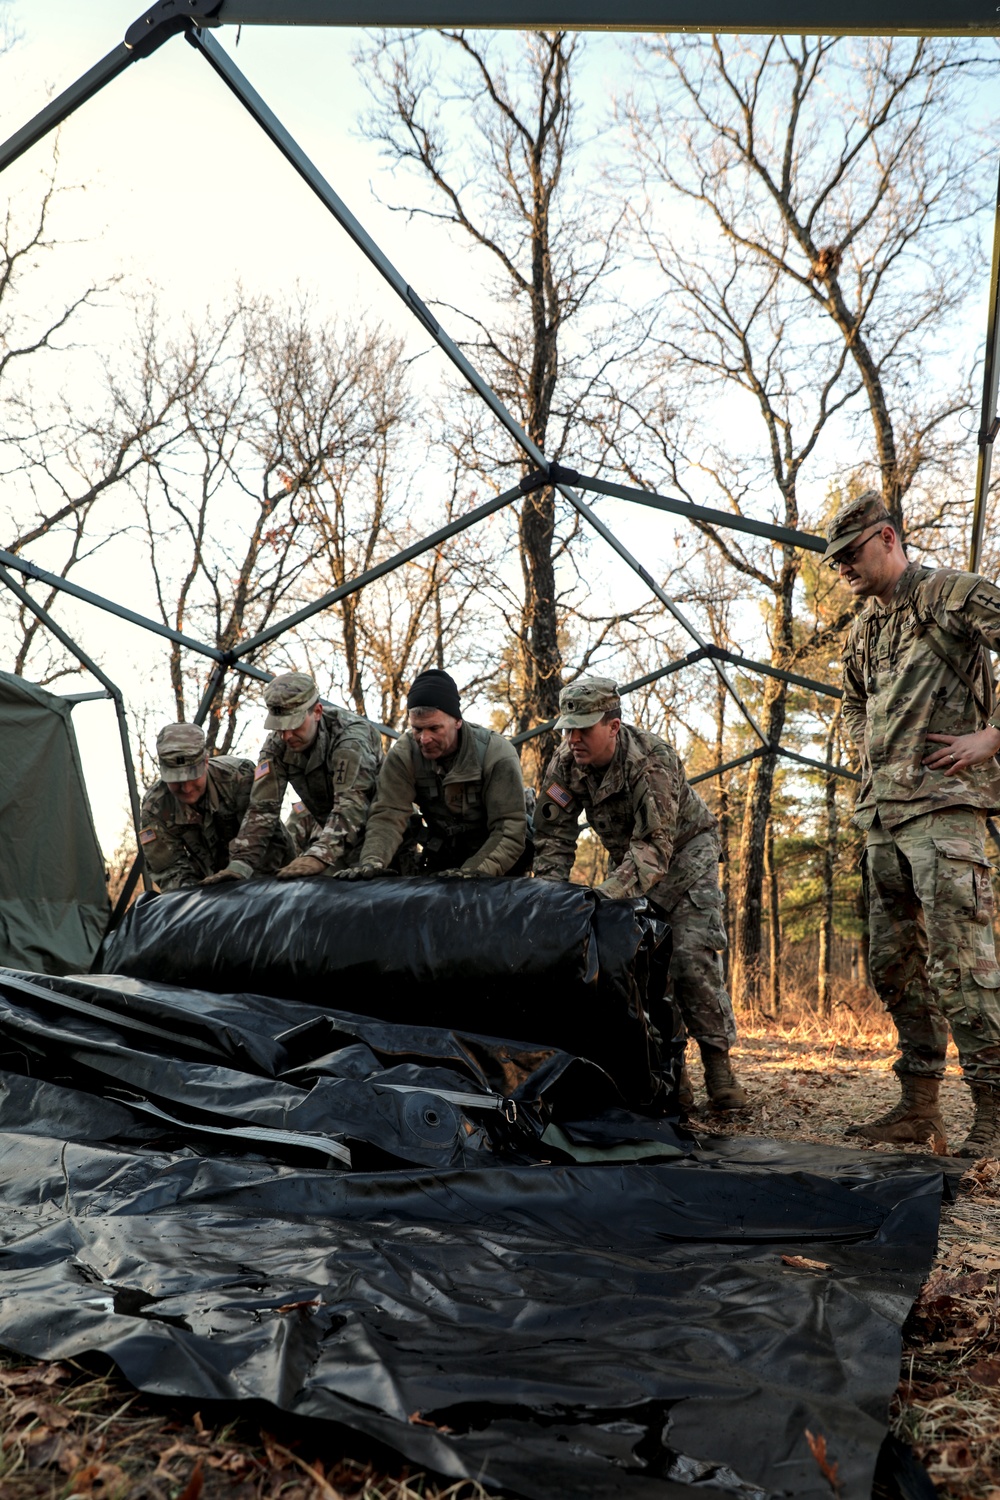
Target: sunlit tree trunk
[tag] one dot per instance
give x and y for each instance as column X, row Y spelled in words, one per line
column 825, row 965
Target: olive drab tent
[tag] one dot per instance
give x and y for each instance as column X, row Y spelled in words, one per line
column 54, row 905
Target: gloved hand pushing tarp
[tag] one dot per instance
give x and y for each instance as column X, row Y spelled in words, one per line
column 542, row 961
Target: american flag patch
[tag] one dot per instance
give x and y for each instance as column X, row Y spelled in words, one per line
column 147, row 835
column 264, row 769
column 298, row 807
column 559, row 794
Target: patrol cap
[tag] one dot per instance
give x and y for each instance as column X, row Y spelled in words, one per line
column 181, row 752
column 587, row 700
column 289, row 698
column 853, row 520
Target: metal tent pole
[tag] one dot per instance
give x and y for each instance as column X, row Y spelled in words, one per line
column 626, row 687
column 767, row 17
column 352, row 585
column 783, row 534
column 603, row 531
column 53, row 581
column 806, row 760
column 154, row 27
column 113, row 690
column 704, row 653
column 227, row 70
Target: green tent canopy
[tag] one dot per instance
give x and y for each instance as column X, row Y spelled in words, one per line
column 54, row 905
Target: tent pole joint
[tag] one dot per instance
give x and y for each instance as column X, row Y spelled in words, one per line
column 166, row 19
column 538, row 479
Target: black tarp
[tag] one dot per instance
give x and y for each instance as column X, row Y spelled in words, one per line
column 513, row 958
column 611, row 1329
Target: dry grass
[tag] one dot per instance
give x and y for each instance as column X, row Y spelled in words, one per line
column 68, row 1432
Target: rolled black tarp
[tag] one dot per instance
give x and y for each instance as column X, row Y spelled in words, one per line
column 546, row 962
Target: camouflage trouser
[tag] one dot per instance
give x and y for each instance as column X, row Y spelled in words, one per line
column 932, row 955
column 696, row 982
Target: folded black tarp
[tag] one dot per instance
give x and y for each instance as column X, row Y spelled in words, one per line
column 516, row 958
column 616, row 1329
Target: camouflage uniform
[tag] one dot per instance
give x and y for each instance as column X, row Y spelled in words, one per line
column 184, row 844
column 472, row 803
column 913, row 667
column 335, row 779
column 664, row 844
column 302, row 827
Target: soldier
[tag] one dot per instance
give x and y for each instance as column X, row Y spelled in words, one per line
column 918, row 703
column 331, row 757
column 193, row 811
column 664, row 845
column 466, row 781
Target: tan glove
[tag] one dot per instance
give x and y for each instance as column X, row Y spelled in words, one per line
column 222, row 875
column 305, row 864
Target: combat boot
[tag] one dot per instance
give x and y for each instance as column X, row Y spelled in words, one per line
column 724, row 1092
column 915, row 1120
column 685, row 1092
column 984, row 1137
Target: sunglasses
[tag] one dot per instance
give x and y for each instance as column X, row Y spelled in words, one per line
column 849, row 555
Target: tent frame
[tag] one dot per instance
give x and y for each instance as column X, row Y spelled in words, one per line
column 193, row 19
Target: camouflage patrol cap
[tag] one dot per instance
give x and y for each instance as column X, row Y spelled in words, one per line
column 289, row 698
column 181, row 752
column 853, row 520
column 587, row 700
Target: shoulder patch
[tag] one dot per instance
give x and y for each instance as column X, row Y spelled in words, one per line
column 147, row 835
column 344, row 768
column 263, row 769
column 298, row 807
column 559, row 794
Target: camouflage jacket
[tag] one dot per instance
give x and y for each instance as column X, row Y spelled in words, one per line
column 472, row 801
column 184, row 844
column 302, row 827
column 903, row 667
column 642, row 810
column 335, row 779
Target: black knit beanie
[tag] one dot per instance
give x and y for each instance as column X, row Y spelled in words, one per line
column 434, row 689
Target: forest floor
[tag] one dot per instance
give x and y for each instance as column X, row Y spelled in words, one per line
column 73, row 1429
column 808, row 1078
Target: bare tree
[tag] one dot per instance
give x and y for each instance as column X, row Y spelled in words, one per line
column 61, row 455
column 489, row 123
column 829, row 867
column 727, row 323
column 822, row 260
column 847, row 166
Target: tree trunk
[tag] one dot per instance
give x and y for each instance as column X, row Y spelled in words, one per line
column 824, row 992
column 760, row 783
column 541, row 659
column 774, row 924
column 723, row 815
